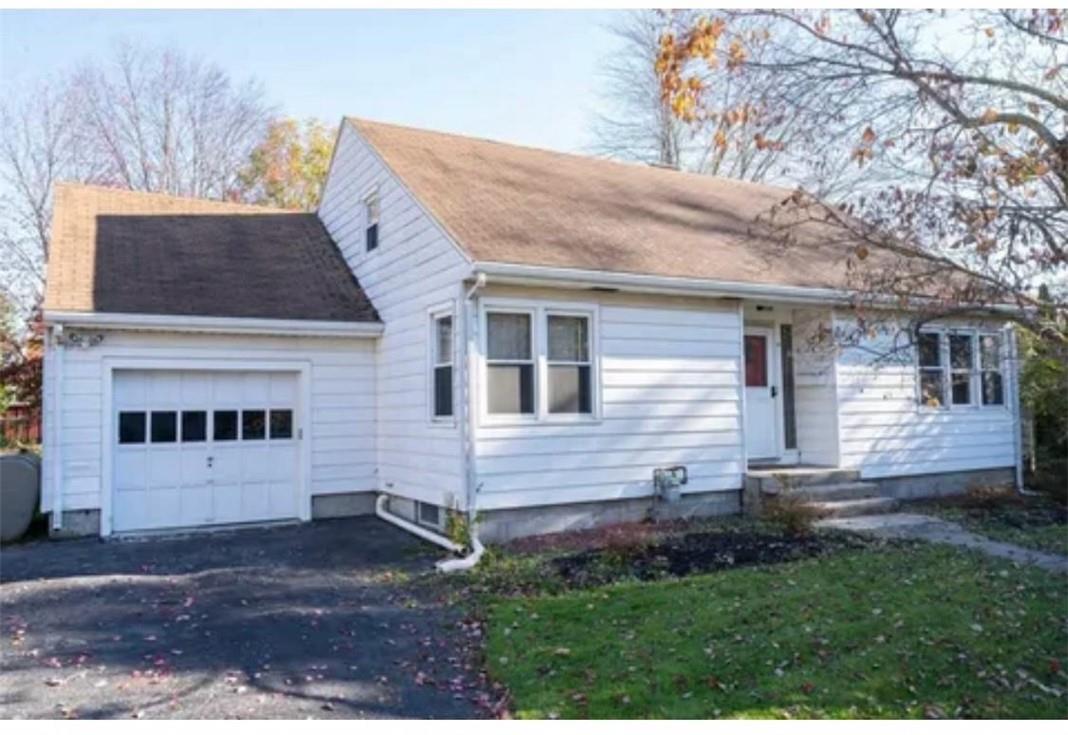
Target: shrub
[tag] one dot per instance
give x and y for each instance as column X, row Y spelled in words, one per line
column 789, row 510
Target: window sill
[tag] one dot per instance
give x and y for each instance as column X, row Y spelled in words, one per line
column 511, row 421
column 443, row 422
column 969, row 408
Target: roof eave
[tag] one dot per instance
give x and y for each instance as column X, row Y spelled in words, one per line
column 213, row 324
column 518, row 274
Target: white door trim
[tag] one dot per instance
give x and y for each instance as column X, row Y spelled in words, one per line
column 302, row 423
column 774, row 381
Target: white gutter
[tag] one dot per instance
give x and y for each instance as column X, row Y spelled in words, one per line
column 536, row 275
column 212, row 324
column 434, row 538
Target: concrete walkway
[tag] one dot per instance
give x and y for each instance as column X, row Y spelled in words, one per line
column 937, row 530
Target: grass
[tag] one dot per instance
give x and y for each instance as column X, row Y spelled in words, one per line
column 880, row 633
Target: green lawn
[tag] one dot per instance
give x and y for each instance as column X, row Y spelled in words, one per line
column 886, row 633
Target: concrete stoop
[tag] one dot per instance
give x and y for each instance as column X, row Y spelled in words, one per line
column 835, row 493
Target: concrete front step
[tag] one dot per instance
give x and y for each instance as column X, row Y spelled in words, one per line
column 839, row 491
column 770, row 479
column 851, row 508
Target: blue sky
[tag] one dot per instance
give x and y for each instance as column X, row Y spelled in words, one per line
column 525, row 77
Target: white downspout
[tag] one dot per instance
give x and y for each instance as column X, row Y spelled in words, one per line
column 470, row 306
column 434, row 538
column 56, row 448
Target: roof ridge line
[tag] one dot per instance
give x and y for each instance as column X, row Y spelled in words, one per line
column 639, row 165
column 179, row 197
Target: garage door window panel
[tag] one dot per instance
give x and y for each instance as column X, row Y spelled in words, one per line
column 253, row 425
column 131, row 427
column 194, row 426
column 225, row 426
column 281, row 424
column 164, row 427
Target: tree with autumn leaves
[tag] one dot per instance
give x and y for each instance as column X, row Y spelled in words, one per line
column 288, row 168
column 942, row 157
column 949, row 127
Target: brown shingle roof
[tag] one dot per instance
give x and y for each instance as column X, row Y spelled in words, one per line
column 118, row 251
column 511, row 204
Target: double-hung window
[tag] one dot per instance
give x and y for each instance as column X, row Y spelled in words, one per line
column 539, row 363
column 959, row 368
column 992, row 390
column 569, row 365
column 932, row 373
column 442, row 341
column 510, row 363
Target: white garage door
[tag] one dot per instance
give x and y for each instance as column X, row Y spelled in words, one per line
column 194, row 448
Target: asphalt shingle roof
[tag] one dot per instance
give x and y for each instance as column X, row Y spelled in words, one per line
column 512, row 204
column 119, row 251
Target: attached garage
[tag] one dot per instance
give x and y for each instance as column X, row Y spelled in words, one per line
column 196, row 448
column 207, row 364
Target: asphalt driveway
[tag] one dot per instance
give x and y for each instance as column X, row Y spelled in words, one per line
column 316, row 620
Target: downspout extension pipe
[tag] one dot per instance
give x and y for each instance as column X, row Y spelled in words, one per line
column 449, row 566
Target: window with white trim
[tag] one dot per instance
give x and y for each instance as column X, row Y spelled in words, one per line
column 510, row 363
column 992, row 387
column 441, row 365
column 540, row 363
column 932, row 373
column 959, row 368
column 569, row 365
column 371, row 215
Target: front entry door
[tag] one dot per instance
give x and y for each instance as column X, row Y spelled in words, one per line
column 761, row 428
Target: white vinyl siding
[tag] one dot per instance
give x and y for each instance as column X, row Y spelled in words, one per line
column 670, row 394
column 815, row 386
column 886, row 429
column 414, row 269
column 341, row 421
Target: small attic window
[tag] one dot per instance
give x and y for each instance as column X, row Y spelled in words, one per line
column 371, row 214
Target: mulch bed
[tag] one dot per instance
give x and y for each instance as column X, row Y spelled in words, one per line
column 594, row 538
column 695, row 553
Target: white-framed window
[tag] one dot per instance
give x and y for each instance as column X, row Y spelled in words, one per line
column 932, row 371
column 959, row 368
column 442, row 350
column 569, row 371
column 540, row 362
column 371, row 215
column 992, row 390
column 510, row 363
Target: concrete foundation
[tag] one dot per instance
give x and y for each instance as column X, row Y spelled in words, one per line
column 76, row 524
column 943, row 483
column 497, row 526
column 342, row 505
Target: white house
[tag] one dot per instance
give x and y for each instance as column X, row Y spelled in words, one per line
column 473, row 326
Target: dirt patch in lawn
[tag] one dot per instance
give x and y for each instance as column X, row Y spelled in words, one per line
column 696, row 553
